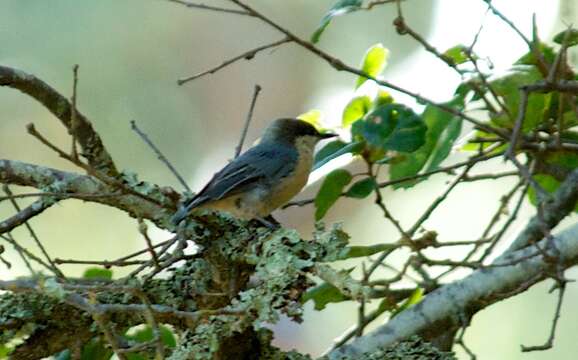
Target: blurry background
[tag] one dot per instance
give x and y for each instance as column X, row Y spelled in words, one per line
column 132, row 52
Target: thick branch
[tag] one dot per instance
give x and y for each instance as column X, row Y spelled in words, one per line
column 24, row 215
column 443, row 308
column 562, row 203
column 92, row 147
column 43, row 178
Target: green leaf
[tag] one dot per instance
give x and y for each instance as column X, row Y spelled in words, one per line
column 565, row 159
column 384, row 160
column 361, row 251
column 391, row 127
column 457, row 54
column 97, row 273
column 5, row 351
column 443, row 129
column 383, row 98
column 63, row 355
column 95, row 350
column 414, row 298
column 313, row 117
column 445, row 143
column 335, row 149
column 362, row 188
column 572, row 37
column 529, row 58
column 569, row 119
column 548, row 183
column 330, row 191
column 328, row 150
column 324, row 294
column 373, row 62
column 146, row 334
column 355, row 110
column 341, row 7
column 475, row 146
column 508, row 87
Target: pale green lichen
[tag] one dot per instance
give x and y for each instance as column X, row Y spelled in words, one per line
column 131, row 179
column 278, row 264
column 413, row 348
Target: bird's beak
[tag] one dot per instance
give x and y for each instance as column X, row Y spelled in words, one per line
column 327, row 135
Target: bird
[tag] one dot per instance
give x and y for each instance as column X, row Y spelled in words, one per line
column 263, row 178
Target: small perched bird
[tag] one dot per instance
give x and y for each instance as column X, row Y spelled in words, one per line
column 263, row 178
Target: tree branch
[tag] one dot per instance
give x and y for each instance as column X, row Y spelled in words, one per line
column 24, row 215
column 561, row 204
column 43, row 178
column 444, row 307
column 339, row 65
column 92, row 147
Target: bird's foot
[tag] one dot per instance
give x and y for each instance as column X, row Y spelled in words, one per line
column 269, row 222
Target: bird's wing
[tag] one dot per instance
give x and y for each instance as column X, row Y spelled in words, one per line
column 259, row 165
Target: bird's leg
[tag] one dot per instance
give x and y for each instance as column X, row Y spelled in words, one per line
column 269, row 222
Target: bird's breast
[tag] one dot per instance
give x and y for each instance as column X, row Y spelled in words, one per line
column 291, row 185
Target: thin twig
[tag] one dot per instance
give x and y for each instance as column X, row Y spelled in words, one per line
column 109, row 334
column 248, row 120
column 379, row 202
column 518, row 124
column 402, row 28
column 488, row 86
column 33, row 234
column 496, row 238
column 384, row 184
column 23, row 252
column 93, row 149
column 438, row 201
column 373, row 3
column 550, row 342
column 142, row 228
column 339, row 65
column 477, row 36
column 163, row 265
column 62, row 195
column 159, row 154
column 26, row 214
column 460, row 341
column 248, row 55
column 351, row 332
column 535, row 51
column 526, row 173
column 361, row 308
column 165, row 244
column 490, row 176
column 209, row 7
column 150, row 317
column 377, row 263
column 104, row 263
column 73, row 117
column 106, row 179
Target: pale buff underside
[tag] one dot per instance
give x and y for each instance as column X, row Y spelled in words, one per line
column 259, row 203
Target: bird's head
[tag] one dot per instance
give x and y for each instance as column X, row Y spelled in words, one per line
column 294, row 131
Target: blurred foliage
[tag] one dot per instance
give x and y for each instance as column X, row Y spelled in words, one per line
column 373, row 62
column 341, row 7
column 383, row 131
column 97, row 273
